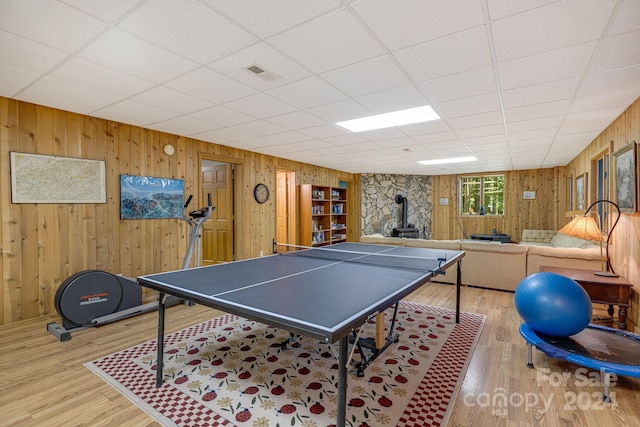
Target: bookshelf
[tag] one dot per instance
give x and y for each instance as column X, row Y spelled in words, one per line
column 323, row 215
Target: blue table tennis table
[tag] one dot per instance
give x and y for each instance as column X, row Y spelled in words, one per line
column 324, row 293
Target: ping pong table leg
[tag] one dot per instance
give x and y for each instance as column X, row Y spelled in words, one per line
column 458, row 284
column 342, row 382
column 380, row 339
column 160, row 357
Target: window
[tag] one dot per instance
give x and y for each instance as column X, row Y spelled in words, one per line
column 600, row 165
column 482, row 195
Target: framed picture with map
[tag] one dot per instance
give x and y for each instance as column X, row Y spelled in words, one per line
column 37, row 178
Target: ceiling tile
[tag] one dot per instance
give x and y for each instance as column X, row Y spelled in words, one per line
column 617, row 52
column 198, row 33
column 274, row 16
column 67, row 95
column 306, row 93
column 625, row 79
column 259, row 127
column 420, row 21
column 589, row 120
column 132, row 112
column 296, row 120
column 339, row 111
column 91, row 75
column 129, row 54
column 531, row 70
column 172, row 100
column 399, row 98
column 12, row 79
column 627, row 19
column 222, row 116
column 291, row 137
column 260, row 106
column 536, row 111
column 472, row 105
column 185, row 125
column 320, row 50
column 476, row 120
column 540, row 93
column 210, row 85
column 22, row 53
column 447, row 55
column 107, row 11
column 373, row 75
column 499, row 9
column 264, row 56
column 324, row 131
column 460, row 85
column 50, row 23
column 482, row 131
column 620, row 99
column 554, row 26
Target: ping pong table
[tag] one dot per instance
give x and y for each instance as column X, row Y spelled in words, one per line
column 324, row 293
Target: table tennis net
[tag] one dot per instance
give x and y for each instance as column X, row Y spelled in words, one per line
column 421, row 263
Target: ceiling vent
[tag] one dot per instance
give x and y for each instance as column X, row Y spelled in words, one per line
column 261, row 72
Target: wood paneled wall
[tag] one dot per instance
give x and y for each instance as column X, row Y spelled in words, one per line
column 42, row 244
column 545, row 212
column 625, row 248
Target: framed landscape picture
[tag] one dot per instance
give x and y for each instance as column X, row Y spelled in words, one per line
column 146, row 197
column 581, row 191
column 624, row 168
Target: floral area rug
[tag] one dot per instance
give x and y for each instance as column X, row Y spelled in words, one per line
column 230, row 371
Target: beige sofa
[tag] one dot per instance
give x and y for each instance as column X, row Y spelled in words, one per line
column 480, row 266
column 503, row 266
column 548, row 247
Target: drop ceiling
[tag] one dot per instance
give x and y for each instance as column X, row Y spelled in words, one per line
column 520, row 84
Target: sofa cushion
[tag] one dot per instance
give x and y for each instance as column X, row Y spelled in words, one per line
column 496, row 266
column 538, row 236
column 588, row 258
column 379, row 239
column 563, row 241
column 591, row 253
column 494, row 247
column 433, row 244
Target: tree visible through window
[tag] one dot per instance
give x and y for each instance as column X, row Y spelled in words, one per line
column 482, row 195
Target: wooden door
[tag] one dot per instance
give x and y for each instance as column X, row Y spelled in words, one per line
column 217, row 232
column 286, row 207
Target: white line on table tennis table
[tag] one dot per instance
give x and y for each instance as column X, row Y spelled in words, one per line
column 364, row 254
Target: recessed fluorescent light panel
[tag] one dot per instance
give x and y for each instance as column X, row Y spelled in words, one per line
column 387, row 120
column 447, row 161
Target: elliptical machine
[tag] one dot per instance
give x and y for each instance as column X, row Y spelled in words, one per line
column 92, row 298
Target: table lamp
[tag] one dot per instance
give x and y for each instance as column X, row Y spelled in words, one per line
column 585, row 227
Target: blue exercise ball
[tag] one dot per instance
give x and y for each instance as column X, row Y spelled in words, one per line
column 553, row 304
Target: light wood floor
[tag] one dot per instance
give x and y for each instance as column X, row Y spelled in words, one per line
column 43, row 381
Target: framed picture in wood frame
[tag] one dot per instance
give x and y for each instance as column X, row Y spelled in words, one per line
column 625, row 172
column 581, row 191
column 569, row 193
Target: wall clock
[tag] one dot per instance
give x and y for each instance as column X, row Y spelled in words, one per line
column 261, row 193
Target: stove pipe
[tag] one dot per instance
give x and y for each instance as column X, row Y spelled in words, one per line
column 405, row 207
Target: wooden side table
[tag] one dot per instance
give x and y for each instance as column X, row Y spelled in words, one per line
column 601, row 289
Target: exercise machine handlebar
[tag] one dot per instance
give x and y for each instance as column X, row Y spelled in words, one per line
column 195, row 220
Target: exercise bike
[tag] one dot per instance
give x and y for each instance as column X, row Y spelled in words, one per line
column 92, row 298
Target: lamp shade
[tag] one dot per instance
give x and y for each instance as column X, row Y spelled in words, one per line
column 583, row 227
